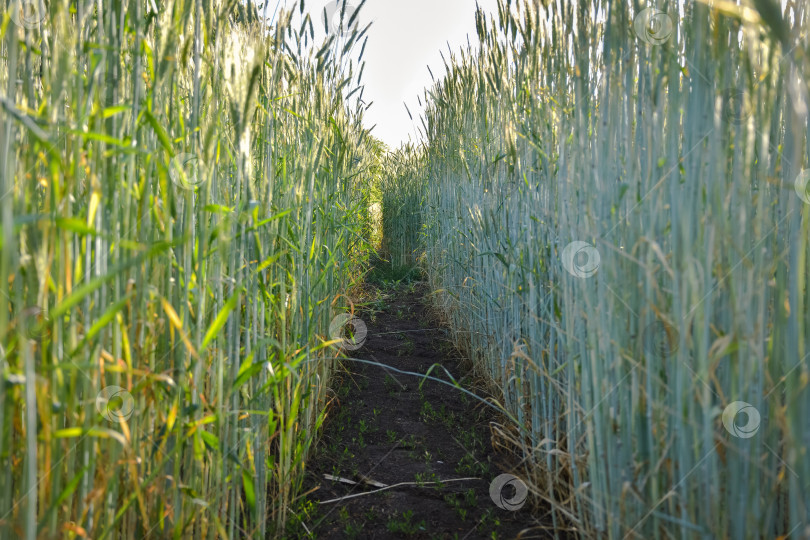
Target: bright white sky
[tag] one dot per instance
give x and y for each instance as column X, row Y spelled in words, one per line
column 405, row 37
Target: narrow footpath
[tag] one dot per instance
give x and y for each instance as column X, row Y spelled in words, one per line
column 383, row 429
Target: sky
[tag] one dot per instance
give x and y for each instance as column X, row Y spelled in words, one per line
column 405, row 37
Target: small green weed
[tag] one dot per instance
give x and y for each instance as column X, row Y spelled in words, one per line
column 406, row 524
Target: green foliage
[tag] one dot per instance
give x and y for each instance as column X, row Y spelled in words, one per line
column 402, row 206
column 405, row 524
column 184, row 193
column 670, row 147
column 383, row 273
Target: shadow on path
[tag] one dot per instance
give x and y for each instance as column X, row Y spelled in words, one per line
column 382, row 429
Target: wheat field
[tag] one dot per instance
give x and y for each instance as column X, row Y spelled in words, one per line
column 609, row 202
column 613, row 212
column 184, row 201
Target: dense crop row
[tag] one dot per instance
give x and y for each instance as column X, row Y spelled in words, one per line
column 614, row 212
column 182, row 202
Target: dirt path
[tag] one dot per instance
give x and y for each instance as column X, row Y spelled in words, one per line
column 383, row 429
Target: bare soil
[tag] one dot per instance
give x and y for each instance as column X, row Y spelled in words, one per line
column 382, row 428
